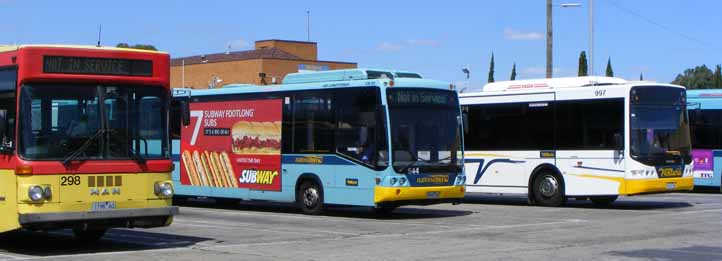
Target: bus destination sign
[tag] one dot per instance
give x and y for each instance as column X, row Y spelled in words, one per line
column 419, row 97
column 100, row 66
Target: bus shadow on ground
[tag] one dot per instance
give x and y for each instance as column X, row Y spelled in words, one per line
column 685, row 253
column 63, row 242
column 405, row 212
column 623, row 203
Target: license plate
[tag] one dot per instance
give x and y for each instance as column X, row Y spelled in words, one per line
column 671, row 185
column 100, row 206
column 432, row 194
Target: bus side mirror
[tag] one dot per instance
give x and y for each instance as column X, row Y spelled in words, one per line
column 4, row 129
column 185, row 112
column 696, row 116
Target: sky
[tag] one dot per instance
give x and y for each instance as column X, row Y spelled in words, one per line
column 656, row 38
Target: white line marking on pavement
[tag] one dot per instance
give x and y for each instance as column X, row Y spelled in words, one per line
column 2, row 257
column 225, row 225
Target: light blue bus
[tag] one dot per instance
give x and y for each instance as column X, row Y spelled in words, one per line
column 358, row 137
column 705, row 113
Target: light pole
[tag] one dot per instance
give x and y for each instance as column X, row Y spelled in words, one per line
column 466, row 71
column 549, row 67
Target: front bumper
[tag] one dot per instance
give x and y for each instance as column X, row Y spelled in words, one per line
column 137, row 217
column 660, row 185
column 418, row 195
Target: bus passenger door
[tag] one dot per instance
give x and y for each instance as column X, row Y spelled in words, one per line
column 589, row 141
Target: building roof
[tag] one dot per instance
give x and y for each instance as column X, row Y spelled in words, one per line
column 263, row 53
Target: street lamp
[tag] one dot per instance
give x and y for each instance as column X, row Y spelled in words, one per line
column 466, row 71
column 550, row 35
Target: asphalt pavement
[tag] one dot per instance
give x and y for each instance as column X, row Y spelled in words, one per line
column 679, row 226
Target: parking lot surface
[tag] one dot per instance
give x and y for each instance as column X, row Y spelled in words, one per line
column 668, row 226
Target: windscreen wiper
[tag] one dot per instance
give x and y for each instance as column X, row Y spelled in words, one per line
column 136, row 156
column 82, row 148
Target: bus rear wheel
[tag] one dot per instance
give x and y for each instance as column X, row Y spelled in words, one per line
column 89, row 235
column 310, row 197
column 548, row 190
column 603, row 200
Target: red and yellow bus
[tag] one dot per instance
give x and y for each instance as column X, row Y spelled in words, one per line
column 84, row 139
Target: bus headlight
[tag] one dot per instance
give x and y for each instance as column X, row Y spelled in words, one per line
column 35, row 193
column 393, row 181
column 47, row 193
column 163, row 189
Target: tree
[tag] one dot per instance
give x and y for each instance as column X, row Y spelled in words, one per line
column 513, row 72
column 717, row 76
column 582, row 64
column 610, row 72
column 137, row 46
column 491, row 69
column 699, row 77
column 640, row 77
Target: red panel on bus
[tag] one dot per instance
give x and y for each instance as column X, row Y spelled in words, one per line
column 233, row 144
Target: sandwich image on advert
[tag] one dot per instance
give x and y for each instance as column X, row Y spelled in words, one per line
column 256, row 137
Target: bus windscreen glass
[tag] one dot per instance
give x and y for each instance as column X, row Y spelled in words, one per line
column 55, row 124
column 659, row 126
column 422, row 130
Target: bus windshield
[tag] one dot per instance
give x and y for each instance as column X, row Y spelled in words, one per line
column 659, row 126
column 425, row 130
column 92, row 121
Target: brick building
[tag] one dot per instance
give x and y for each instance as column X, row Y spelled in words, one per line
column 268, row 63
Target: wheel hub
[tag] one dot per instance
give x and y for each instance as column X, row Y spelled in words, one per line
column 549, row 186
column 310, row 197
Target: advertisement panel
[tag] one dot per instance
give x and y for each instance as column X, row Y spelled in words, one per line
column 703, row 164
column 233, row 144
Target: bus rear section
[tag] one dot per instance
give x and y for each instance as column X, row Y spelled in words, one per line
column 87, row 147
column 586, row 138
column 705, row 113
column 317, row 141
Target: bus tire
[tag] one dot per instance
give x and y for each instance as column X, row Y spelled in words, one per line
column 309, row 197
column 89, row 235
column 603, row 200
column 548, row 189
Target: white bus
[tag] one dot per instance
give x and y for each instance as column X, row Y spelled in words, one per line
column 583, row 137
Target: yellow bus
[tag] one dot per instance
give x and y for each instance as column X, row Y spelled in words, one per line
column 84, row 139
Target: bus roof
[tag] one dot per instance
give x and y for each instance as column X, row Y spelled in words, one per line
column 553, row 83
column 324, row 79
column 704, row 93
column 10, row 48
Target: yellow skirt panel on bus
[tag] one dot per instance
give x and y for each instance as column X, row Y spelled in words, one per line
column 8, row 198
column 641, row 186
column 79, row 192
column 386, row 194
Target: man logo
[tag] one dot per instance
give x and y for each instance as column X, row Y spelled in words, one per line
column 104, row 191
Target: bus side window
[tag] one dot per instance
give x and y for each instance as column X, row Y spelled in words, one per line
column 313, row 130
column 8, row 78
column 358, row 125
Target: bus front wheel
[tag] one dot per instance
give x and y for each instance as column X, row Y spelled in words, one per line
column 89, row 235
column 310, row 197
column 603, row 200
column 548, row 190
